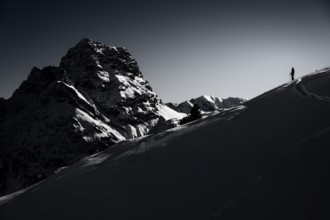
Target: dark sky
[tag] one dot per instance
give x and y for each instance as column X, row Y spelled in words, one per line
column 184, row 48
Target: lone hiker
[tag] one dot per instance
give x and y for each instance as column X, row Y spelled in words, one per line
column 292, row 73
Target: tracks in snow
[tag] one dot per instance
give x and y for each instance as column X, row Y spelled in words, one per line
column 301, row 89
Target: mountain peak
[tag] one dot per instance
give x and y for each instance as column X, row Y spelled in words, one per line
column 85, row 41
column 89, row 59
column 95, row 98
column 89, row 43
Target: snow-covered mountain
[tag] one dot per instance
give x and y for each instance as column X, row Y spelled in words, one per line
column 268, row 159
column 207, row 103
column 95, row 98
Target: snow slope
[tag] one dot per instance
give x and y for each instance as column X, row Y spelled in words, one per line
column 268, row 159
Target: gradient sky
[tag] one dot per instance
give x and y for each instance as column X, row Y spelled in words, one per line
column 184, row 48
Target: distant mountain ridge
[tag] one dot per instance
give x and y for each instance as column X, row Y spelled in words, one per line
column 207, row 103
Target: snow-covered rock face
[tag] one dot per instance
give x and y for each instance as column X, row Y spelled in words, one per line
column 232, row 102
column 95, row 98
column 207, row 103
column 109, row 77
column 98, row 63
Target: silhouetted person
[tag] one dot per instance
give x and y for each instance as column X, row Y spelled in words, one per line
column 292, row 73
